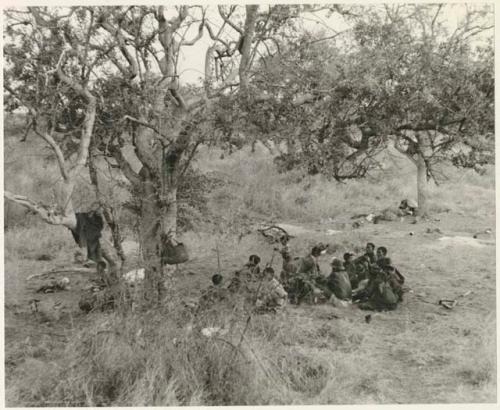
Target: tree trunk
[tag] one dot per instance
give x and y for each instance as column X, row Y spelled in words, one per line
column 149, row 236
column 422, row 186
column 424, row 150
column 245, row 49
column 169, row 212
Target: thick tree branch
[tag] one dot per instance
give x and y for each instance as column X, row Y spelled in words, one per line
column 165, row 139
column 85, row 76
column 125, row 166
column 247, row 38
column 165, row 35
column 179, row 98
column 47, row 137
column 198, row 36
column 117, row 33
column 88, row 122
column 143, row 151
column 77, row 87
column 48, row 214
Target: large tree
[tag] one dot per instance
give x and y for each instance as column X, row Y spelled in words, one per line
column 97, row 80
column 399, row 75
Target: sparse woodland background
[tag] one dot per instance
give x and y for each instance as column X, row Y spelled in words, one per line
column 288, row 124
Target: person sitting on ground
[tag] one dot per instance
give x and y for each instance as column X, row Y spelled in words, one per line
column 394, row 278
column 365, row 269
column 309, row 264
column 384, row 262
column 214, row 294
column 253, row 265
column 350, row 268
column 379, row 294
column 367, row 273
column 364, row 261
column 381, row 252
column 247, row 275
column 271, row 295
column 338, row 281
column 303, row 285
column 370, row 252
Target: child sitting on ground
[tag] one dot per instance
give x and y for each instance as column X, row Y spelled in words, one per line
column 272, row 296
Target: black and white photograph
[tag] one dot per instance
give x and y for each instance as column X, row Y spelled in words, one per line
column 249, row 204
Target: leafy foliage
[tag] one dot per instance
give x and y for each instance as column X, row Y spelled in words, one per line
column 430, row 80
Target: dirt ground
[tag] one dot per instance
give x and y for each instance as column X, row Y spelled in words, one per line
column 420, row 353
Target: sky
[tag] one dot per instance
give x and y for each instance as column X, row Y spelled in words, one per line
column 192, row 58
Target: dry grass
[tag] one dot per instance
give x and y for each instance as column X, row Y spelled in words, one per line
column 258, row 188
column 302, row 356
column 306, row 355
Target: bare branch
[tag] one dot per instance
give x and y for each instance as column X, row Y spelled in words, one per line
column 327, row 38
column 83, row 91
column 47, row 137
column 48, row 214
column 88, row 122
column 216, row 37
column 275, row 41
column 165, row 139
column 176, row 22
column 198, row 36
column 175, row 93
column 440, row 6
column 117, row 33
column 189, row 158
column 87, row 42
column 227, row 20
column 39, row 20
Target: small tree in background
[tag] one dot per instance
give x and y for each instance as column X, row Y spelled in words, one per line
column 438, row 82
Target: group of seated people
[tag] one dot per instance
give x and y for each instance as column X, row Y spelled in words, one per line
column 369, row 280
column 253, row 286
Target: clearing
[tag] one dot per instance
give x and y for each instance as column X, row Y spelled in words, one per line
column 420, row 353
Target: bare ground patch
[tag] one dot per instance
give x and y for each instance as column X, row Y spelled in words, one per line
column 419, row 353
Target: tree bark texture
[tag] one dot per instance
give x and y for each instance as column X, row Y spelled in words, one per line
column 422, row 186
column 423, row 152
